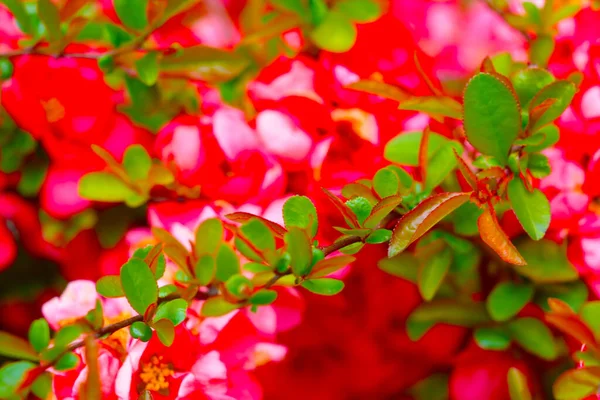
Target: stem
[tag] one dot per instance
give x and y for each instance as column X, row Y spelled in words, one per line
column 340, row 244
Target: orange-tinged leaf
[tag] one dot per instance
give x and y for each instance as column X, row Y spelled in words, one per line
column 488, row 66
column 423, row 154
column 243, row 217
column 383, row 208
column 343, row 209
column 329, row 265
column 380, row 89
column 466, row 171
column 493, row 235
column 559, row 307
column 573, row 326
column 423, row 217
column 424, row 76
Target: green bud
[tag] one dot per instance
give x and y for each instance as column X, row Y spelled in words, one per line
column 139, row 330
column 6, row 69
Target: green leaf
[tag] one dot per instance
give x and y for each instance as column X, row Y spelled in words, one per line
column 137, row 162
column 534, row 336
column 517, row 385
column 139, row 285
column 336, row 33
column 590, row 313
column 205, row 269
column 50, row 17
column 17, row 8
column 527, row 82
column 541, row 49
column 441, row 163
column 239, row 286
column 346, row 212
column 379, row 236
column 217, row 306
column 165, row 331
column 42, row 386
column 531, row 208
column 174, row 310
column 438, row 107
column 562, row 92
column 360, row 207
column 404, row 265
column 263, row 297
column 11, row 377
column 14, row 347
column 381, row 210
column 132, row 13
column 433, row 269
column 419, row 220
column 507, row 299
column 494, row 338
column 140, row 330
column 380, row 89
column 434, row 387
column 209, row 236
column 299, row 211
column 39, row 334
column 67, row 362
column 491, row 115
column 104, row 186
column 323, row 286
column 258, row 234
column 577, row 383
column 327, row 266
column 359, row 10
column 205, row 63
column 386, row 182
column 445, row 311
column 404, row 148
column 546, row 262
column 147, row 68
column 299, row 247
column 110, row 286
column 539, row 165
column 228, row 263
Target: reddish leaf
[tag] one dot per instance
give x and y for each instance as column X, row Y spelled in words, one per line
column 329, row 265
column 352, row 190
column 172, row 248
column 423, row 154
column 423, row 217
column 344, row 209
column 559, row 307
column 493, row 235
column 243, row 217
column 383, row 208
column 424, row 76
column 466, row 171
column 380, row 89
column 573, row 326
column 487, row 66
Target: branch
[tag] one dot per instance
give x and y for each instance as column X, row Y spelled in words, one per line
column 340, row 244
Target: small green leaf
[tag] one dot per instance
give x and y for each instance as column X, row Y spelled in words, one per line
column 263, row 297
column 140, row 330
column 359, row 10
column 14, row 347
column 50, row 17
column 137, row 162
column 541, row 49
column 147, row 68
column 562, row 92
column 336, row 33
column 217, row 306
column 104, row 186
column 139, row 285
column 577, row 383
column 379, row 236
column 527, row 82
column 132, row 13
column 386, row 183
column 534, row 336
column 433, row 270
column 299, row 211
column 66, row 335
column 437, row 107
column 110, row 286
column 209, row 236
column 39, row 334
column 404, row 148
column 11, row 377
column 547, row 262
column 507, row 299
column 360, row 207
column 67, row 362
column 299, row 247
column 441, row 164
column 381, row 210
column 42, row 386
column 17, row 8
column 492, row 116
column 323, row 286
column 492, row 338
column 205, row 269
column 258, row 234
column 165, row 331
column 174, row 310
column 539, row 165
column 327, row 266
column 239, row 286
column 531, row 208
column 517, row 385
column 228, row 263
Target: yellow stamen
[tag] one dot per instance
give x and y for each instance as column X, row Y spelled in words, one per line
column 155, row 373
column 54, row 110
